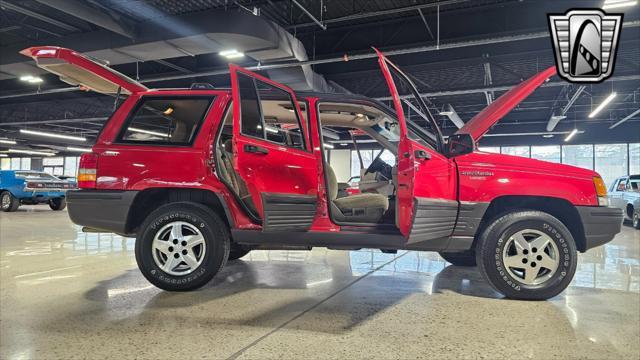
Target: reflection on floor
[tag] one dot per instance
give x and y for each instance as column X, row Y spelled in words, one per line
column 67, row 294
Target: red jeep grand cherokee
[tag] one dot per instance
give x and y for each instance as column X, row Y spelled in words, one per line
column 201, row 176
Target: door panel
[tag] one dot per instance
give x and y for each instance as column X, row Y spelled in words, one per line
column 426, row 195
column 281, row 178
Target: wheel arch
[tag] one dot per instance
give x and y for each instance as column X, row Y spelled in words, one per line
column 146, row 201
column 562, row 209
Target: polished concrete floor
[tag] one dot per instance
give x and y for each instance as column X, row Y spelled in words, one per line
column 65, row 294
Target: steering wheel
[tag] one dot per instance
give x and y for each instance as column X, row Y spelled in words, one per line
column 378, row 165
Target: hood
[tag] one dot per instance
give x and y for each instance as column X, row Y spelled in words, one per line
column 485, row 119
column 490, row 161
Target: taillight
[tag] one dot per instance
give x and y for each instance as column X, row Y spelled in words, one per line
column 87, row 171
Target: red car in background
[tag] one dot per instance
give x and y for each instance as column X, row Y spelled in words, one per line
column 202, row 176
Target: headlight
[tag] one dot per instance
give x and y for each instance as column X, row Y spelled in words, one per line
column 601, row 191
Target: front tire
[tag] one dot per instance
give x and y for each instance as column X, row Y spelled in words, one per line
column 528, row 255
column 8, row 202
column 57, row 204
column 636, row 219
column 182, row 246
column 463, row 258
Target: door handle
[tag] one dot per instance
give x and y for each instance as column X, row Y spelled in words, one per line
column 255, row 149
column 421, row 154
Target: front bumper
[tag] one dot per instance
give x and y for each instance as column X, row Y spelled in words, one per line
column 600, row 224
column 106, row 210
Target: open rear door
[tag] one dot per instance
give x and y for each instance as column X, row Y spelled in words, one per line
column 426, row 194
column 272, row 153
column 77, row 69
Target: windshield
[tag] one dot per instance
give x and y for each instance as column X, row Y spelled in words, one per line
column 417, row 115
column 32, row 175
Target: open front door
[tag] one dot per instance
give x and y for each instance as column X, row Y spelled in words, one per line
column 426, row 195
column 77, row 69
column 272, row 153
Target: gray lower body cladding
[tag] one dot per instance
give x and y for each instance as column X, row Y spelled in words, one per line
column 432, row 219
column 287, row 212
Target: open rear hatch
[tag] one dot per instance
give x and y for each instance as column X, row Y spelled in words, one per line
column 485, row 119
column 77, row 69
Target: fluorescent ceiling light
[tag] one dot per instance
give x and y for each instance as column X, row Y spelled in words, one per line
column 31, row 152
column 571, row 135
column 7, row 141
column 31, row 79
column 143, row 131
column 78, row 149
column 612, row 4
column 57, row 136
column 231, row 54
column 4, row 155
column 343, row 144
column 547, row 136
column 602, row 105
column 328, row 146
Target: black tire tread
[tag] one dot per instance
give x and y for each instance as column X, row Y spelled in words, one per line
column 512, row 217
column 15, row 203
column 216, row 223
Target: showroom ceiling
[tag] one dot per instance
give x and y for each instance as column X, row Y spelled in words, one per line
column 459, row 53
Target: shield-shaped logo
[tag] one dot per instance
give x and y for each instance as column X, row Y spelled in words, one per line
column 585, row 43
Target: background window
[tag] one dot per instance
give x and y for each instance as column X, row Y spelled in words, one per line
column 70, row 166
column 516, row 150
column 367, row 158
column 490, row 149
column 5, row 164
column 547, row 153
column 634, row 159
column 166, row 121
column 15, row 163
column 611, row 161
column 578, row 155
column 25, row 163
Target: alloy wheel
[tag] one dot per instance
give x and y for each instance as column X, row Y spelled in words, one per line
column 6, row 201
column 178, row 248
column 530, row 257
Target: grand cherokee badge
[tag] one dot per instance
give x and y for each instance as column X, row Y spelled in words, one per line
column 585, row 43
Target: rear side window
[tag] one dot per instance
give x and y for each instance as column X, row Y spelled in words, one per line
column 268, row 113
column 165, row 121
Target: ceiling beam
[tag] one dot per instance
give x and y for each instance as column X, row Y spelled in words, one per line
column 92, row 15
column 379, row 13
column 35, row 15
column 310, row 15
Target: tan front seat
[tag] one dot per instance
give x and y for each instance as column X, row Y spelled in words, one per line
column 359, row 208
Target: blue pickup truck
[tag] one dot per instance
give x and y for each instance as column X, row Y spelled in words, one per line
column 32, row 187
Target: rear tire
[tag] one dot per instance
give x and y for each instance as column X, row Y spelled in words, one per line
column 636, row 219
column 463, row 258
column 8, row 202
column 57, row 204
column 237, row 251
column 527, row 255
column 182, row 246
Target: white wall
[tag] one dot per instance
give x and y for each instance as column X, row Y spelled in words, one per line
column 340, row 161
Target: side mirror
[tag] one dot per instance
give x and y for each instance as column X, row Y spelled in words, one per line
column 460, row 144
